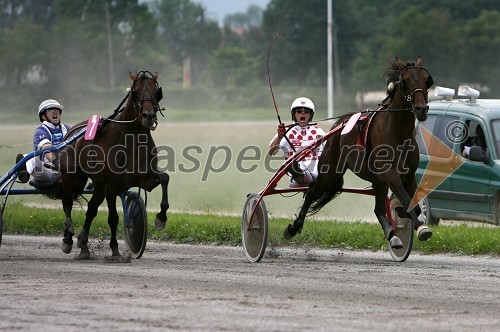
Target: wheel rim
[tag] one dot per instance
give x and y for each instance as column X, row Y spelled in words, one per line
column 404, row 231
column 1, row 225
column 136, row 233
column 254, row 239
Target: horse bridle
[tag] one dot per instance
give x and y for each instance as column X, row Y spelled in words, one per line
column 409, row 96
column 154, row 98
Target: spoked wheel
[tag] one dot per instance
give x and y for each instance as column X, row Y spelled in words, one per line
column 136, row 232
column 404, row 231
column 1, row 224
column 254, row 239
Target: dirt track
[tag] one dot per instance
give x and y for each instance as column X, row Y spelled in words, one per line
column 187, row 287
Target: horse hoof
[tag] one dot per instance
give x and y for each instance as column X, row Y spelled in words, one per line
column 159, row 225
column 119, row 258
column 84, row 255
column 65, row 247
column 83, row 238
column 424, row 233
column 396, row 243
column 289, row 232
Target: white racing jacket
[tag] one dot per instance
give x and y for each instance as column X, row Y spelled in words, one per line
column 301, row 137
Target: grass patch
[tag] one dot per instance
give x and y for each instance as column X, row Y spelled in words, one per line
column 226, row 230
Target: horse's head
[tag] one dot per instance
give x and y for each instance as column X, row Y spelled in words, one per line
column 413, row 81
column 145, row 95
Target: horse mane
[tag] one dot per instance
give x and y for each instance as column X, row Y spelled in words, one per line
column 391, row 74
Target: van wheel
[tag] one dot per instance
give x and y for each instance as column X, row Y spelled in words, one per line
column 426, row 216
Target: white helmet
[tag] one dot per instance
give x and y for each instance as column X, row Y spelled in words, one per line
column 46, row 104
column 302, row 102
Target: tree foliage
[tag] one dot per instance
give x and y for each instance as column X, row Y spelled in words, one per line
column 303, row 45
column 482, row 50
column 75, row 49
column 231, row 66
column 187, row 33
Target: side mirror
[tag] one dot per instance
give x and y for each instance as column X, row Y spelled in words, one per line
column 476, row 153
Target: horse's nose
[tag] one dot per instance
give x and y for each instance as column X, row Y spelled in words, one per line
column 421, row 112
column 149, row 119
column 148, row 116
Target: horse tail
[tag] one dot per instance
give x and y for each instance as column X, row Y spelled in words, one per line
column 326, row 196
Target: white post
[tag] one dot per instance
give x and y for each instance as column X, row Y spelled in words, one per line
column 330, row 66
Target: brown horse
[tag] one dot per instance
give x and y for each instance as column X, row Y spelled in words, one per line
column 380, row 149
column 121, row 155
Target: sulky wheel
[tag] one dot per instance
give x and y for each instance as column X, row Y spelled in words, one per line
column 136, row 232
column 404, row 231
column 1, row 224
column 254, row 239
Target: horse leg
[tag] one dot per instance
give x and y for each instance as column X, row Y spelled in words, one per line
column 410, row 188
column 94, row 203
column 161, row 217
column 320, row 192
column 113, row 224
column 67, row 201
column 381, row 214
column 326, row 186
column 423, row 232
column 292, row 229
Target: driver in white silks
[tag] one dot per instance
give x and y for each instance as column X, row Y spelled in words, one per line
column 300, row 135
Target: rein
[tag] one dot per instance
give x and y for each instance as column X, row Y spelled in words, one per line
column 120, row 121
column 380, row 109
column 137, row 107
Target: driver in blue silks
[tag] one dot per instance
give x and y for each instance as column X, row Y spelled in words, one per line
column 50, row 132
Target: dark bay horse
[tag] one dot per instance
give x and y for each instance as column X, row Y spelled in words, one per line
column 120, row 156
column 382, row 150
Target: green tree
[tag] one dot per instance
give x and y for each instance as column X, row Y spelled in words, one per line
column 187, row 33
column 76, row 47
column 23, row 49
column 362, row 28
column 39, row 12
column 303, row 46
column 482, row 50
column 231, row 66
column 431, row 35
column 116, row 36
column 252, row 18
column 243, row 30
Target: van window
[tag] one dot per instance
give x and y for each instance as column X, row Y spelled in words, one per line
column 429, row 124
column 474, row 136
column 495, row 125
column 449, row 130
column 446, row 128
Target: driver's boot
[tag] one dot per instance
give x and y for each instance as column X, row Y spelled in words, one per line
column 22, row 174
